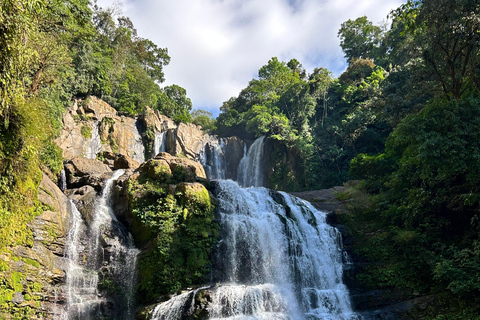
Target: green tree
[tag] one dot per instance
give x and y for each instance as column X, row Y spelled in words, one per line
column 359, row 38
column 174, row 103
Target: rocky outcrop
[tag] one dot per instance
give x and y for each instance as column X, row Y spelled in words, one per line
column 189, row 141
column 158, row 122
column 92, row 126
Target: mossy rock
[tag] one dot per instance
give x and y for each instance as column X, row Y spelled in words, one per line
column 159, row 170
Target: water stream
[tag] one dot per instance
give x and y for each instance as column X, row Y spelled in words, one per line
column 213, row 160
column 160, row 143
column 250, row 169
column 94, row 145
column 101, row 257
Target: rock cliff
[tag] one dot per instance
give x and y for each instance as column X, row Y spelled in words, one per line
column 93, row 128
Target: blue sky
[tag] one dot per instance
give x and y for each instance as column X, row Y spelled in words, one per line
column 217, row 46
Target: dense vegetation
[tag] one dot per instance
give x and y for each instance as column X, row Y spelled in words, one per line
column 52, row 52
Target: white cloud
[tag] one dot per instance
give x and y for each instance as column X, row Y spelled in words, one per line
column 217, row 46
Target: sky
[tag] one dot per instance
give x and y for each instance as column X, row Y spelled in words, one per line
column 217, row 46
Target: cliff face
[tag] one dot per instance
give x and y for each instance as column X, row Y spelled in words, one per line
column 92, row 127
column 32, row 275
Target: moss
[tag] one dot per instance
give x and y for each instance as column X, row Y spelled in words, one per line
column 31, row 262
column 16, row 281
column 3, row 266
column 86, row 132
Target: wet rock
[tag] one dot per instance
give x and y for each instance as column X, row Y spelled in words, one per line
column 85, row 199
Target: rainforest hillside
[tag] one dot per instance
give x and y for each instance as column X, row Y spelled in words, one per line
column 403, row 120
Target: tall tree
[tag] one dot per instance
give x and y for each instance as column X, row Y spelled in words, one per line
column 359, row 38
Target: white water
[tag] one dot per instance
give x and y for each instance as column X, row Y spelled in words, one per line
column 213, row 159
column 79, row 280
column 250, row 173
column 160, row 143
column 281, row 259
column 138, row 150
column 94, row 145
column 88, row 258
column 62, row 180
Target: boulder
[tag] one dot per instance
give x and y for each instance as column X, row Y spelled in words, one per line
column 189, row 140
column 85, row 199
column 124, row 162
column 183, row 169
column 98, row 108
column 82, row 171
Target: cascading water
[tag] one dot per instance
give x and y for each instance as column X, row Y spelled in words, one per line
column 105, row 259
column 250, row 173
column 213, row 159
column 277, row 258
column 62, row 180
column 94, row 145
column 160, row 143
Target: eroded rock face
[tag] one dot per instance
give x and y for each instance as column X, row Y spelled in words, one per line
column 189, row 141
column 92, row 126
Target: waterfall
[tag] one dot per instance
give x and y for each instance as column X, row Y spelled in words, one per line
column 79, row 298
column 250, row 171
column 62, row 180
column 105, row 259
column 138, row 150
column 160, row 143
column 277, row 259
column 213, row 159
column 94, row 145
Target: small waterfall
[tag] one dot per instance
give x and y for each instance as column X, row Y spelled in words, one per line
column 138, row 150
column 94, row 145
column 250, row 173
column 104, row 259
column 62, row 180
column 160, row 143
column 213, row 159
column 177, row 306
